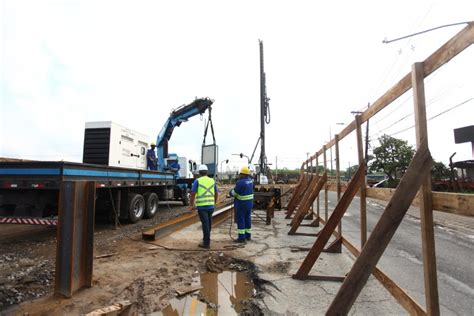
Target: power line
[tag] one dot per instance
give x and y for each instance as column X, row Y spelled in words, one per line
column 409, row 96
column 392, row 67
column 435, row 116
column 457, row 105
column 429, row 104
column 394, row 123
column 396, row 108
column 397, row 59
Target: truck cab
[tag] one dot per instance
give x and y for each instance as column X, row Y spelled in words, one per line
column 188, row 168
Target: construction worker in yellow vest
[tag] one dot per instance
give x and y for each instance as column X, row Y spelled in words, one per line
column 204, row 193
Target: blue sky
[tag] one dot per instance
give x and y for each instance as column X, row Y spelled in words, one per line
column 64, row 63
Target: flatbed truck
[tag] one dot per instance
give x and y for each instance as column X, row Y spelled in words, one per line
column 114, row 159
column 29, row 190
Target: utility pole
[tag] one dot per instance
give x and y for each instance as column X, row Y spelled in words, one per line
column 330, row 149
column 276, row 168
column 366, row 136
column 367, row 140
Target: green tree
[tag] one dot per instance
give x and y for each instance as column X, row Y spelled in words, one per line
column 392, row 157
column 350, row 171
column 440, row 171
column 319, row 169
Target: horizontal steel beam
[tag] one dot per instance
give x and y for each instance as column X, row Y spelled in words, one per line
column 166, row 228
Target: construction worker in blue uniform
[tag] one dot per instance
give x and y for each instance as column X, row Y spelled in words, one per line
column 243, row 203
column 204, row 193
column 151, row 161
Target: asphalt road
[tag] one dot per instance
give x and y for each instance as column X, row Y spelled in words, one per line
column 402, row 260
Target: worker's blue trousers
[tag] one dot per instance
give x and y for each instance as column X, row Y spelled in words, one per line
column 243, row 212
column 206, row 220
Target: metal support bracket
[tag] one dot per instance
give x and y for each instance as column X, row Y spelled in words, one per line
column 335, row 246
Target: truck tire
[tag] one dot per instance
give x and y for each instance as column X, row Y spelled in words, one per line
column 186, row 197
column 136, row 207
column 151, row 204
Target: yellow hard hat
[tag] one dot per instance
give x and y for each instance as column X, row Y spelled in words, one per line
column 245, row 170
column 152, row 144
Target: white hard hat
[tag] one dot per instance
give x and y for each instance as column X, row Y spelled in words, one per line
column 202, row 168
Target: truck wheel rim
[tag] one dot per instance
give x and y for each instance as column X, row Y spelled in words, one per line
column 153, row 206
column 138, row 209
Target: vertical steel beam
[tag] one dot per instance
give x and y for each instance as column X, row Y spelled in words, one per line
column 118, row 206
column 312, row 204
column 325, row 187
column 317, row 198
column 74, row 253
column 363, row 190
column 338, row 177
column 426, row 202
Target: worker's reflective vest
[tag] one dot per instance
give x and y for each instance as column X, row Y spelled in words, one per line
column 242, row 197
column 244, row 186
column 205, row 191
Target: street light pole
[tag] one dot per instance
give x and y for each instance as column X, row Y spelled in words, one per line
column 242, row 156
column 330, row 149
column 330, row 138
column 226, row 161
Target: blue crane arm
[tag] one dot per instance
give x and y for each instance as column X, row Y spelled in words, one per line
column 178, row 116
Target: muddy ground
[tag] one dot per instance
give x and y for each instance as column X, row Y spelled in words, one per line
column 139, row 272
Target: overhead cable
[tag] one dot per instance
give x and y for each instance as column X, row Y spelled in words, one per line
column 435, row 116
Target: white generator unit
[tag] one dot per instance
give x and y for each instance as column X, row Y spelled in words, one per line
column 111, row 144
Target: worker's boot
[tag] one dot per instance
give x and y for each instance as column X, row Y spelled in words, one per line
column 248, row 236
column 203, row 245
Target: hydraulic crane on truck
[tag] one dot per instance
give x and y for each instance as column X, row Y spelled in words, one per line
column 178, row 116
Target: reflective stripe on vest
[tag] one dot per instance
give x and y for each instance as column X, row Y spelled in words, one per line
column 205, row 192
column 243, row 197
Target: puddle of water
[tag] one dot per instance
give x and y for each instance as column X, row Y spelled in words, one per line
column 224, row 291
column 188, row 305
